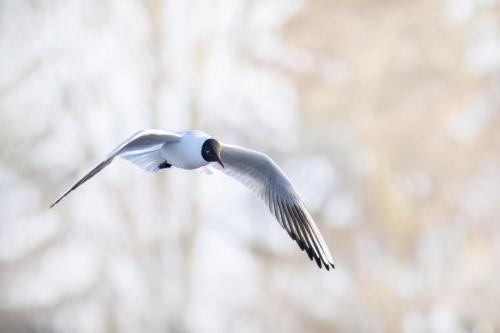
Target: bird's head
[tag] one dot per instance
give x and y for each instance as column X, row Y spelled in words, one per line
column 210, row 151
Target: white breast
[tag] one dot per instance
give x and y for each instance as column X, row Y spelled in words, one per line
column 186, row 154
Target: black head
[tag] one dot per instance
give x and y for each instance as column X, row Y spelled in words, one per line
column 210, row 151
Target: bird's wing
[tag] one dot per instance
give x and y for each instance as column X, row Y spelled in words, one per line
column 264, row 177
column 142, row 148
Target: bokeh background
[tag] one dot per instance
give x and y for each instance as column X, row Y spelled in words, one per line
column 385, row 114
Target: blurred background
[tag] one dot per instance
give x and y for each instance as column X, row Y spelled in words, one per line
column 385, row 115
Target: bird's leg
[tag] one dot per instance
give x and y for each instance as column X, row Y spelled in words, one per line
column 164, row 165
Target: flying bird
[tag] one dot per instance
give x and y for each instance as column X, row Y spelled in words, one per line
column 154, row 151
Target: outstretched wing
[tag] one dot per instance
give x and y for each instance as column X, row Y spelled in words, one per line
column 142, row 148
column 259, row 173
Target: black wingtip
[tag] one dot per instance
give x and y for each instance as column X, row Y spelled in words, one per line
column 318, row 261
column 310, row 253
column 58, row 200
column 327, row 266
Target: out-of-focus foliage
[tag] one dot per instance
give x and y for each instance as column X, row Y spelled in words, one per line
column 385, row 114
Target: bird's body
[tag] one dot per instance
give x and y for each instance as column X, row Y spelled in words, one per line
column 154, row 151
column 185, row 154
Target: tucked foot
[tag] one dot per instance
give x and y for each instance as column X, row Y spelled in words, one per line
column 164, row 165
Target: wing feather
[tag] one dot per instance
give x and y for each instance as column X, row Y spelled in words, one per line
column 261, row 175
column 141, row 148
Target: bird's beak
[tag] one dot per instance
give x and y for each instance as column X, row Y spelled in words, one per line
column 219, row 160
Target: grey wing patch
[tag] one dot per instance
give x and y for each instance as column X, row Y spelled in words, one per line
column 261, row 175
column 148, row 161
column 145, row 140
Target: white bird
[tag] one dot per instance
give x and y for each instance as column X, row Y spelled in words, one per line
column 155, row 150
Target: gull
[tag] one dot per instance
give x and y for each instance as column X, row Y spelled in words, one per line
column 155, row 150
